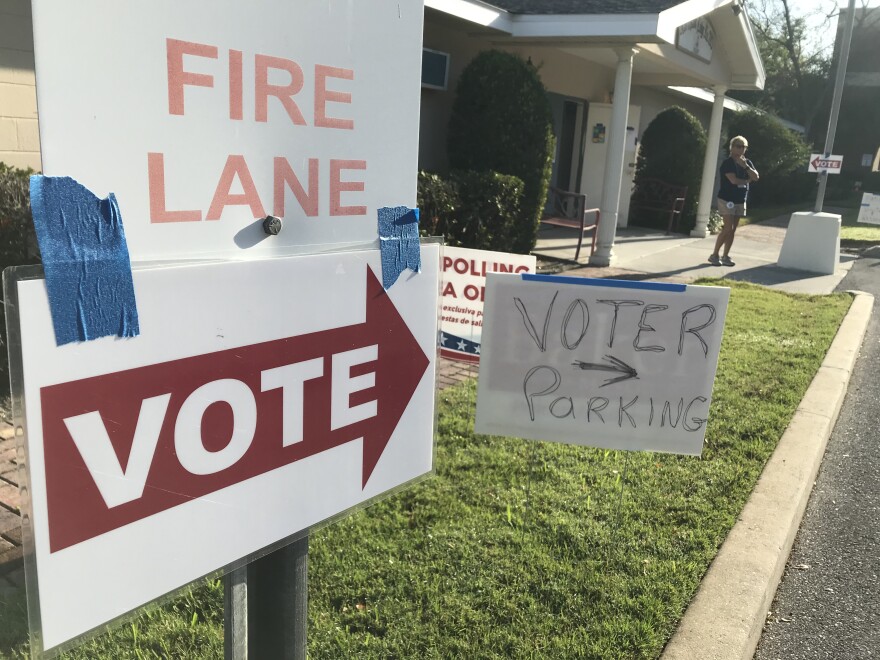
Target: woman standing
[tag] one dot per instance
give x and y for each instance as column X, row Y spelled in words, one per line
column 737, row 172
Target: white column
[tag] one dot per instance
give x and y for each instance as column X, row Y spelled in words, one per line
column 610, row 206
column 707, row 184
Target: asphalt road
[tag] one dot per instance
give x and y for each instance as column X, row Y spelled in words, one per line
column 828, row 603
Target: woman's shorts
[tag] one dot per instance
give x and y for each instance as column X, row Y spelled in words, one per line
column 729, row 208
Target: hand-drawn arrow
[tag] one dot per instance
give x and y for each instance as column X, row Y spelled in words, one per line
column 615, row 365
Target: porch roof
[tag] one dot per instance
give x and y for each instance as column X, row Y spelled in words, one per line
column 584, row 6
column 592, row 29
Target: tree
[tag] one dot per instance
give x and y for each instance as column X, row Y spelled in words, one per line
column 858, row 126
column 779, row 154
column 796, row 61
column 501, row 121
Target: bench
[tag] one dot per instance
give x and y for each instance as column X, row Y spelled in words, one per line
column 659, row 196
column 569, row 209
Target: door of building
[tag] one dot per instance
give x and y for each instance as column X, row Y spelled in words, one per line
column 568, row 127
column 598, row 134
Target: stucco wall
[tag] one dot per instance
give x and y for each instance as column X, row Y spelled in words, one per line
column 655, row 100
column 19, row 135
column 560, row 72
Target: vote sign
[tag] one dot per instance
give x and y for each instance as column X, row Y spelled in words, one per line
column 463, row 284
column 204, row 117
column 224, row 427
column 825, row 163
column 601, row 363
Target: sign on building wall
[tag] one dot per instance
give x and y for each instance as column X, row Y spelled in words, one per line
column 463, row 283
column 696, row 38
column 601, row 363
column 203, row 118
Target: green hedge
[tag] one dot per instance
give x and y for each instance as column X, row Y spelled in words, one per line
column 18, row 243
column 779, row 154
column 437, row 201
column 673, row 149
column 471, row 209
column 501, row 121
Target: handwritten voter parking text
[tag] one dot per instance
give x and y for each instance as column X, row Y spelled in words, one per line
column 687, row 335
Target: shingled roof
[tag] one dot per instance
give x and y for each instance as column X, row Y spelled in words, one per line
column 584, row 6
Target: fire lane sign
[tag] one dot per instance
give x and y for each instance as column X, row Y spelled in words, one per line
column 204, row 117
column 193, row 450
column 825, row 163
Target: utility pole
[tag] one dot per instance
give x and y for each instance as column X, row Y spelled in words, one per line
column 835, row 101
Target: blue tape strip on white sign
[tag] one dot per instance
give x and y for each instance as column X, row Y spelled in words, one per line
column 399, row 242
column 85, row 259
column 598, row 281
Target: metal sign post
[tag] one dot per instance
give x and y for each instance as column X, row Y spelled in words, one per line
column 835, row 102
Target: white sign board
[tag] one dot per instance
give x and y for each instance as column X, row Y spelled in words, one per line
column 696, row 38
column 463, row 282
column 601, row 363
column 869, row 211
column 823, row 163
column 248, row 409
column 204, row 117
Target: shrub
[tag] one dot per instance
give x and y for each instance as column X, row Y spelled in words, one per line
column 779, row 155
column 489, row 208
column 501, row 121
column 673, row 148
column 18, row 243
column 471, row 209
column 437, row 201
column 17, row 238
column 715, row 222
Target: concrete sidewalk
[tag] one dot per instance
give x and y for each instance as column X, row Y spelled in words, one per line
column 648, row 254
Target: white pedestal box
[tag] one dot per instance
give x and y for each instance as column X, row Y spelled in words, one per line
column 812, row 243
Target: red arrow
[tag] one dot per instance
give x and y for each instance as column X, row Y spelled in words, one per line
column 402, row 363
column 77, row 509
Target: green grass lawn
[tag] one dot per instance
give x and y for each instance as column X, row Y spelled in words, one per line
column 520, row 549
column 852, row 233
column 761, row 213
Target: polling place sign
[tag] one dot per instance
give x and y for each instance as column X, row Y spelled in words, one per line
column 463, row 288
column 869, row 209
column 205, row 117
column 252, row 406
column 601, row 363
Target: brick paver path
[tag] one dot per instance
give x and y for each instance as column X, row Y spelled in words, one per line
column 11, row 567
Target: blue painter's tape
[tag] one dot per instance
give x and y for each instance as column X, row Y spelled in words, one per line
column 399, row 242
column 85, row 258
column 597, row 281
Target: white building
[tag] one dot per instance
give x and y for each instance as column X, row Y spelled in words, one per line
column 610, row 67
